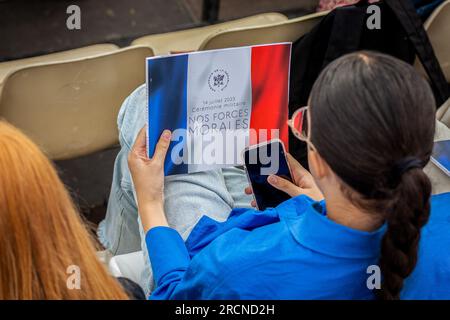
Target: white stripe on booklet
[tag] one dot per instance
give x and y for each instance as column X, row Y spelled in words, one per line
column 219, row 97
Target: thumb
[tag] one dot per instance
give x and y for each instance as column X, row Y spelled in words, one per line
column 284, row 185
column 162, row 146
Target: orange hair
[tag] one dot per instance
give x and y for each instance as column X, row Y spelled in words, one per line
column 41, row 232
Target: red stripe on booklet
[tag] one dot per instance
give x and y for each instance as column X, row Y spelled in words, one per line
column 270, row 90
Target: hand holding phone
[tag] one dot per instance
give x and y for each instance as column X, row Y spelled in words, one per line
column 302, row 182
column 262, row 161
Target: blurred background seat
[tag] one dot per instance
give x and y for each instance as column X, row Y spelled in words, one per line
column 10, row 66
column 191, row 39
column 438, row 29
column 70, row 108
column 443, row 113
column 283, row 31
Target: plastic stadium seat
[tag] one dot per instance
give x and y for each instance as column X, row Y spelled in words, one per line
column 9, row 66
column 70, row 108
column 439, row 180
column 443, row 113
column 190, row 39
column 438, row 29
column 284, row 31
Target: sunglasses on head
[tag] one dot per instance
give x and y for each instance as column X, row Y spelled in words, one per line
column 299, row 124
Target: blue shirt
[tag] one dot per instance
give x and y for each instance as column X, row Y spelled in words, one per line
column 290, row 252
column 431, row 276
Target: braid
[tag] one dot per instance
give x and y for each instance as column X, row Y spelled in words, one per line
column 409, row 212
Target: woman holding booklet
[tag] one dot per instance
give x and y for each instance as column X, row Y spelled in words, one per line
column 361, row 225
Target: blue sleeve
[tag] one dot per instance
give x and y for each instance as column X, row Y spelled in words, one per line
column 216, row 271
column 169, row 259
column 207, row 276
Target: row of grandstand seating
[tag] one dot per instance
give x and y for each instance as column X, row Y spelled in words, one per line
column 68, row 101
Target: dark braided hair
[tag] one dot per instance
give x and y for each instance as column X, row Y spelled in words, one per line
column 380, row 113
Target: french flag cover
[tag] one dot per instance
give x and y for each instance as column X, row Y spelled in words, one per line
column 216, row 103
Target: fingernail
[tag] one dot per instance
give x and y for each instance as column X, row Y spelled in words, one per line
column 273, row 179
column 166, row 134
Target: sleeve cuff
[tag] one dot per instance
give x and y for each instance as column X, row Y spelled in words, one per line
column 167, row 252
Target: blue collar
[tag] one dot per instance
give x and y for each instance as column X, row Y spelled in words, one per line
column 311, row 228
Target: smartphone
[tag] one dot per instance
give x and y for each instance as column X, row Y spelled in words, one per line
column 441, row 155
column 260, row 162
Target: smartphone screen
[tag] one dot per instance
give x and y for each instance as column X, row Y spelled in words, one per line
column 260, row 162
column 441, row 155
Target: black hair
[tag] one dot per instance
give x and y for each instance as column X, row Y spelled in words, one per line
column 373, row 122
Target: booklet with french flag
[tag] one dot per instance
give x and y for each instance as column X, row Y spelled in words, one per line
column 216, row 103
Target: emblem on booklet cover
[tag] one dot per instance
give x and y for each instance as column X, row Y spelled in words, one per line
column 218, row 80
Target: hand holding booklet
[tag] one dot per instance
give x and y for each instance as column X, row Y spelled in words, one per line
column 217, row 103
